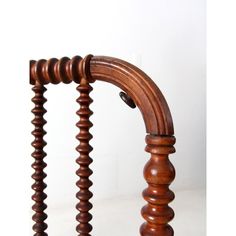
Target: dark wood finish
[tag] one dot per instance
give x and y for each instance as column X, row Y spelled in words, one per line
column 57, row 71
column 39, row 196
column 127, row 99
column 139, row 90
column 84, row 160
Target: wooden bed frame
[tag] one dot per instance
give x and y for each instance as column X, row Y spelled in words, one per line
column 139, row 90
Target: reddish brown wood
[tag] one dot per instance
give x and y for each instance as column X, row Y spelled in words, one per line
column 84, row 227
column 57, row 71
column 139, row 90
column 143, row 91
column 39, row 196
column 159, row 173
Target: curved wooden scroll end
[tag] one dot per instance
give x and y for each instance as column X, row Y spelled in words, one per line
column 137, row 85
column 143, row 91
column 158, row 172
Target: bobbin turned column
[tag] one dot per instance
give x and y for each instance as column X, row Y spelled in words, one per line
column 84, row 217
column 84, row 148
column 139, row 90
column 159, row 173
column 39, row 196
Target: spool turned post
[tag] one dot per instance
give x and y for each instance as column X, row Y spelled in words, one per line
column 84, row 217
column 39, row 196
column 139, row 90
column 159, row 173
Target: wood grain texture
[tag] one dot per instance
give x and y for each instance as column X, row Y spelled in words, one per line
column 39, row 196
column 64, row 70
column 143, row 91
column 159, row 173
column 84, row 217
column 139, row 90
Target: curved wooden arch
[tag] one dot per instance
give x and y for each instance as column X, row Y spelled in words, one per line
column 132, row 80
column 146, row 95
column 158, row 172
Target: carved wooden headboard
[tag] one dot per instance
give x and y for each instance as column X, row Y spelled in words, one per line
column 139, row 90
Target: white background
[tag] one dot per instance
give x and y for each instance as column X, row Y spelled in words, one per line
column 166, row 39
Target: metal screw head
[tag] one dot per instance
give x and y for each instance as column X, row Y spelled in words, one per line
column 127, row 99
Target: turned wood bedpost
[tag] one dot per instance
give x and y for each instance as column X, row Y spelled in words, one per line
column 65, row 71
column 139, row 90
column 39, row 195
column 159, row 173
column 84, row 148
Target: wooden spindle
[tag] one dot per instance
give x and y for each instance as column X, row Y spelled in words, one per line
column 139, row 90
column 159, row 173
column 84, row 217
column 39, row 196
